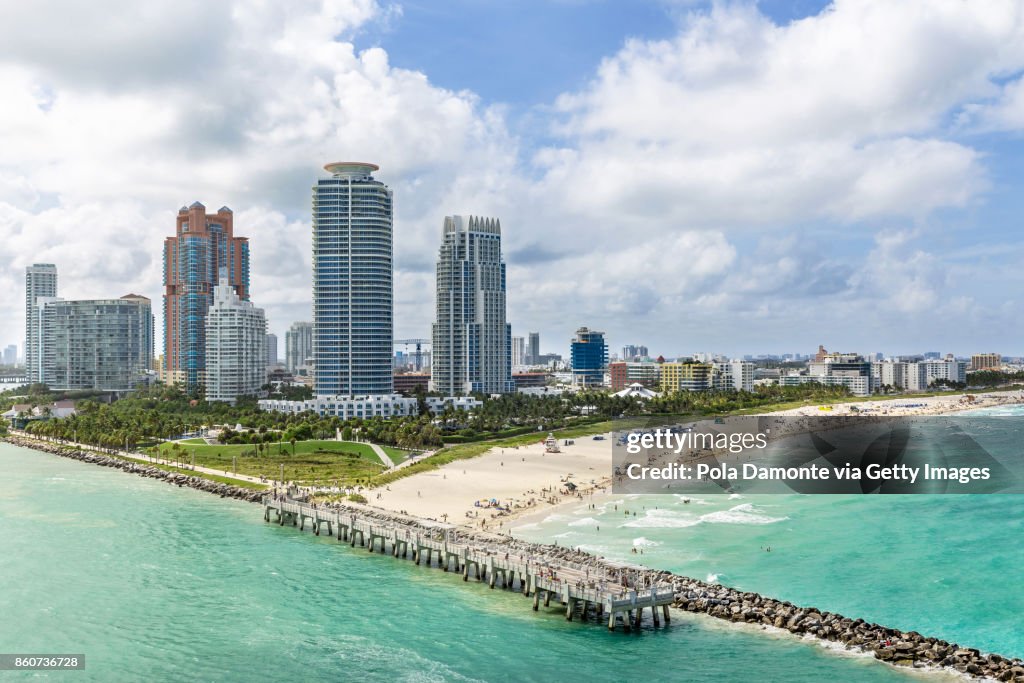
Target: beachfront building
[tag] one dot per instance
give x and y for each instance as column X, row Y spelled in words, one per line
column 40, row 282
column 352, row 282
column 203, row 247
column 986, row 361
column 589, row 358
column 626, row 373
column 298, row 346
column 345, row 407
column 734, row 375
column 900, row 375
column 236, row 354
column 98, row 344
column 835, row 369
column 687, row 375
column 472, row 341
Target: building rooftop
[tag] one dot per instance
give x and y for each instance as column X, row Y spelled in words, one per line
column 351, row 168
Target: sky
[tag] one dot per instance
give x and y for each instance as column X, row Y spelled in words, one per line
column 732, row 177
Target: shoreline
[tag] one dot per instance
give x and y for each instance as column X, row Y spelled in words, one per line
column 906, row 649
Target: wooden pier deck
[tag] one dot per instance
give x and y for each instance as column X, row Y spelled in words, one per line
column 603, row 590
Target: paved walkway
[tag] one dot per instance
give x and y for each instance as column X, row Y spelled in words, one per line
column 384, row 457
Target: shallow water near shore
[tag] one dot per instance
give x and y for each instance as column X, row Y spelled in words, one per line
column 165, row 583
column 948, row 566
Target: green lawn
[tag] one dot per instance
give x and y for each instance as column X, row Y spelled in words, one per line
column 313, row 461
column 193, row 441
column 397, row 455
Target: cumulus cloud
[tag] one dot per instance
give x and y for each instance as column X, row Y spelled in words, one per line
column 708, row 172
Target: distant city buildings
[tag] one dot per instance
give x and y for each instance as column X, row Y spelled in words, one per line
column 271, row 349
column 518, row 351
column 533, row 350
column 632, row 352
column 40, row 282
column 834, row 369
column 352, row 283
column 472, row 341
column 986, row 361
column 203, row 247
column 589, row 358
column 236, row 353
column 298, row 346
column 10, row 356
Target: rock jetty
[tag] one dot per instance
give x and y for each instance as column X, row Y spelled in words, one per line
column 143, row 470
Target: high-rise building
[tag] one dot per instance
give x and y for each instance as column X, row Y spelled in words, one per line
column 986, row 361
column 589, row 357
column 518, row 351
column 203, row 247
column 298, row 345
column 40, row 281
column 472, row 342
column 352, row 282
column 271, row 349
column 101, row 344
column 533, row 349
column 11, row 355
column 236, row 351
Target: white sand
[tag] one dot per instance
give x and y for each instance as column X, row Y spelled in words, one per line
column 516, row 477
column 911, row 405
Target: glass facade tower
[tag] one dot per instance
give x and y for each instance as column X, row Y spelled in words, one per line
column 40, row 282
column 472, row 344
column 352, row 282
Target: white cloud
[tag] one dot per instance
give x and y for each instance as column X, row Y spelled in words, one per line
column 680, row 176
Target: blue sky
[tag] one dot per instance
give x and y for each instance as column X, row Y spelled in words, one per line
column 730, row 177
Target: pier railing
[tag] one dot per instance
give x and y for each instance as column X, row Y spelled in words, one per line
column 582, row 587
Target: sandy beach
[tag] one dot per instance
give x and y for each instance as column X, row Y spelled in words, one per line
column 527, row 481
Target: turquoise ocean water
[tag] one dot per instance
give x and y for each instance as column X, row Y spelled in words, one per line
column 167, row 584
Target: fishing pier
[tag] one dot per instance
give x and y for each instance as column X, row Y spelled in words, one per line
column 599, row 590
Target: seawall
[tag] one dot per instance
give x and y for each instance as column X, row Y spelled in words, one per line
column 141, row 469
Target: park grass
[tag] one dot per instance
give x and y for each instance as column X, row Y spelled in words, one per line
column 314, row 461
column 397, row 455
column 241, row 483
column 193, row 442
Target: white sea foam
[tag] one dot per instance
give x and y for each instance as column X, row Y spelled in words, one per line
column 711, row 578
column 734, row 496
column 663, row 519
column 586, row 521
column 642, row 542
column 745, row 513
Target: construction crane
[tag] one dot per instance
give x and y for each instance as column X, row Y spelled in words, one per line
column 419, row 349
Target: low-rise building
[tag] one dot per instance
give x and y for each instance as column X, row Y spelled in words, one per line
column 346, row 407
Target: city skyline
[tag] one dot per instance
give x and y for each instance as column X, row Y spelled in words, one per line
column 899, row 204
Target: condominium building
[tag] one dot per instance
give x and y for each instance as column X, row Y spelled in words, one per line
column 734, row 375
column 298, row 346
column 40, row 281
column 687, row 376
column 917, row 375
column 203, row 248
column 472, row 341
column 236, row 352
column 11, row 355
column 626, row 373
column 589, row 357
column 100, row 344
column 346, row 407
column 986, row 361
column 352, row 282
